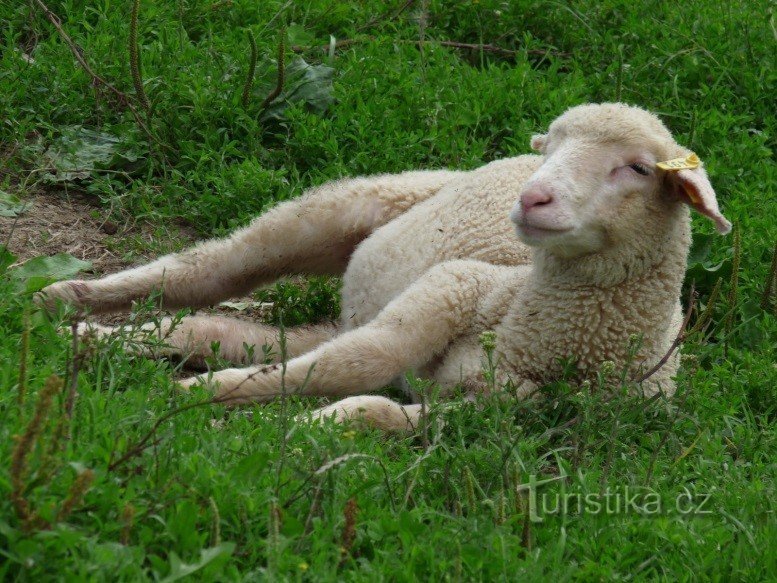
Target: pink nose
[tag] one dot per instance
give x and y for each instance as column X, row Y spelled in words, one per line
column 534, row 197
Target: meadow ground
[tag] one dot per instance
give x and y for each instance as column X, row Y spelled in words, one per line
column 107, row 473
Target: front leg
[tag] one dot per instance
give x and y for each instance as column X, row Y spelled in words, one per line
column 408, row 333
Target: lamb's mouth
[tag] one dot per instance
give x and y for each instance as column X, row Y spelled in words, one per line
column 535, row 232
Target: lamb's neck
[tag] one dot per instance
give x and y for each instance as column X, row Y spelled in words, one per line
column 589, row 310
column 658, row 282
column 632, row 291
column 661, row 259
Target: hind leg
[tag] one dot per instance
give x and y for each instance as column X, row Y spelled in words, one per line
column 314, row 234
column 414, row 328
column 193, row 338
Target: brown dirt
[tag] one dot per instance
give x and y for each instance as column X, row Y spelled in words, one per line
column 60, row 222
column 71, row 222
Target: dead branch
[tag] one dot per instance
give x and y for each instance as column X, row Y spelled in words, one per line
column 97, row 81
column 498, row 50
column 145, row 442
column 768, row 300
column 679, row 339
column 387, row 16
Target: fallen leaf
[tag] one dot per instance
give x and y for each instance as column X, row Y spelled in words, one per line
column 79, row 151
column 305, row 83
column 38, row 272
column 10, row 206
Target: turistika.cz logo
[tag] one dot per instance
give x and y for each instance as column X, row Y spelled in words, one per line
column 625, row 500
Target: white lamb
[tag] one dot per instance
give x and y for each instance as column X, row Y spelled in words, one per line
column 430, row 261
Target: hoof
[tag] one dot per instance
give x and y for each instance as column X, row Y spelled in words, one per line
column 69, row 292
column 187, row 384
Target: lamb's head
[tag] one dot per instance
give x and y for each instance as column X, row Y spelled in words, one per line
column 599, row 184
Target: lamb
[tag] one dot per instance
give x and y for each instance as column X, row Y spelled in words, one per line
column 430, row 261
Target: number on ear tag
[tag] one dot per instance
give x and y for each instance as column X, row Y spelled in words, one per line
column 690, row 162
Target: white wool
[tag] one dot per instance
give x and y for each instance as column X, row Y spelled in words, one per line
column 578, row 253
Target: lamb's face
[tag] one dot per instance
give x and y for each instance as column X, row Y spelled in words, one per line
column 586, row 194
column 599, row 183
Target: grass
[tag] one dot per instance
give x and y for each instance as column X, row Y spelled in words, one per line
column 251, row 494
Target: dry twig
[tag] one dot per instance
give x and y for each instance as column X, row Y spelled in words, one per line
column 679, row 339
column 77, row 357
column 768, row 300
column 24, row 352
column 387, row 16
column 134, row 57
column 97, row 81
column 734, row 284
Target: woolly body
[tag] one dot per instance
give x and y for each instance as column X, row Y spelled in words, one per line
column 430, row 261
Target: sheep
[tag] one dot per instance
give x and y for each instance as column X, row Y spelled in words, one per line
column 588, row 267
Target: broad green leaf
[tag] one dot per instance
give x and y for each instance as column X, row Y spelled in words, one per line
column 179, row 569
column 250, row 467
column 706, row 276
column 292, row 526
column 6, row 258
column 700, row 248
column 297, row 35
column 8, row 531
column 10, row 206
column 305, row 83
column 36, row 273
column 79, row 151
column 700, row 270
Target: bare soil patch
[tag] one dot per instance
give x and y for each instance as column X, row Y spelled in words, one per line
column 70, row 222
column 75, row 223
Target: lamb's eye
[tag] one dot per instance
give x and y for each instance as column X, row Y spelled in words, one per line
column 640, row 169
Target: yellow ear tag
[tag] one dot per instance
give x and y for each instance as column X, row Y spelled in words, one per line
column 690, row 162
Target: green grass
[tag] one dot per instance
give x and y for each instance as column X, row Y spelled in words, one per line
column 252, row 494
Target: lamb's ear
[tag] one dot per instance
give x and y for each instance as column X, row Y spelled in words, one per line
column 694, row 189
column 538, row 142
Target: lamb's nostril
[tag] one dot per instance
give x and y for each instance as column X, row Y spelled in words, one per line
column 535, row 198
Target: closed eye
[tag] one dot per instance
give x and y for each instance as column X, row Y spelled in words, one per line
column 640, row 169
